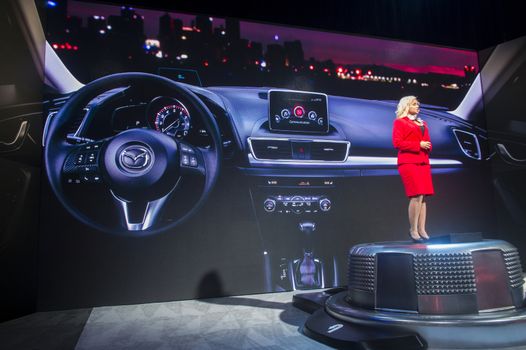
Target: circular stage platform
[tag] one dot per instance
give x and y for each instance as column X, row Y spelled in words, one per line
column 452, row 292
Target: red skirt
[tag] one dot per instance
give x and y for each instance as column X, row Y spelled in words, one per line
column 416, row 179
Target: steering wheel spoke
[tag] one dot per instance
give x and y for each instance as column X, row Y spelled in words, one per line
column 82, row 165
column 140, row 215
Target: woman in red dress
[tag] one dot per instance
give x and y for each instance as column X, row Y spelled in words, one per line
column 411, row 138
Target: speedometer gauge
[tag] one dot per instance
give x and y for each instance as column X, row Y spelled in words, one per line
column 173, row 120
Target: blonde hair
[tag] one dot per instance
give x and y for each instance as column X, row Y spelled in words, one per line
column 403, row 105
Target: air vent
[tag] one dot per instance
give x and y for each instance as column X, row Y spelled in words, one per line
column 468, row 143
column 329, row 151
column 271, row 149
column 57, row 103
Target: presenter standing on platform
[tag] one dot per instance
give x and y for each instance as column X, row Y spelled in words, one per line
column 411, row 138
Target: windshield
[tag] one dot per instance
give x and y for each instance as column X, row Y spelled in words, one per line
column 94, row 40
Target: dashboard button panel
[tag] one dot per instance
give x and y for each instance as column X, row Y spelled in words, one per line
column 296, row 204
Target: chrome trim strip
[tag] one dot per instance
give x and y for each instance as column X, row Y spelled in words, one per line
column 151, row 212
column 18, row 139
column 403, row 247
column 506, row 155
column 350, row 162
column 46, row 126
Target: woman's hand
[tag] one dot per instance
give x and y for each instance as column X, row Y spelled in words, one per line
column 425, row 145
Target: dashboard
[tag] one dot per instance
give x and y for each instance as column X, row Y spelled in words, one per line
column 314, row 129
column 119, row 109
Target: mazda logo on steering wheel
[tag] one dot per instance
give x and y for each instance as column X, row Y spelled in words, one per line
column 135, row 158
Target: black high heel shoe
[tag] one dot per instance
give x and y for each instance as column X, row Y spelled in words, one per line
column 416, row 240
column 426, row 238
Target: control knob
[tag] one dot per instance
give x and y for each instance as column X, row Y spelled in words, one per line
column 325, row 204
column 270, row 205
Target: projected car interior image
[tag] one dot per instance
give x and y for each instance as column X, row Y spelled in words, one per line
column 308, row 144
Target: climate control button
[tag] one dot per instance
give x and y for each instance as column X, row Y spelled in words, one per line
column 269, row 205
column 325, row 204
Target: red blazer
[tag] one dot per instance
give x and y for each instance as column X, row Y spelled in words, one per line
column 406, row 138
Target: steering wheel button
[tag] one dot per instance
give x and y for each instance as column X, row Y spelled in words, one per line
column 185, row 160
column 80, row 158
column 92, row 158
column 187, row 149
column 193, row 161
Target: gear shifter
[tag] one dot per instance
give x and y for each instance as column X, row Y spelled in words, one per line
column 308, row 229
column 308, row 271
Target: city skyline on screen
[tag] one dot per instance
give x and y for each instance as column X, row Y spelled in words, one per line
column 320, row 45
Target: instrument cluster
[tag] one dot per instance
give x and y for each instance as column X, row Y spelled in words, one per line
column 163, row 113
column 169, row 116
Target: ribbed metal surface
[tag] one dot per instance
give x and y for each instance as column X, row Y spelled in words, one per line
column 361, row 272
column 514, row 268
column 447, row 273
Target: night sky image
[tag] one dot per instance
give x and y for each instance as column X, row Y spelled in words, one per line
column 341, row 48
column 235, row 52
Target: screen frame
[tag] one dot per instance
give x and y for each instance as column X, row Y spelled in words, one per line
column 322, row 132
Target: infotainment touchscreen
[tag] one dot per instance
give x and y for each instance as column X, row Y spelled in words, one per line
column 297, row 111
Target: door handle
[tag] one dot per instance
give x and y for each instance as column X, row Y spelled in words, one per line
column 507, row 157
column 11, row 146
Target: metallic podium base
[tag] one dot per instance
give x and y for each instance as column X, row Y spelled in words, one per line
column 413, row 296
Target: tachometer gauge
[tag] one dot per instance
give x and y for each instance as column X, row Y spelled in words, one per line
column 173, row 120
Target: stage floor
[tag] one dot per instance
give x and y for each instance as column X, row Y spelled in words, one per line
column 260, row 321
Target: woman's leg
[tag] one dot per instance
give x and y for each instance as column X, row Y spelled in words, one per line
column 415, row 205
column 422, row 220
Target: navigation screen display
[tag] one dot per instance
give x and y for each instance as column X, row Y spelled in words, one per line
column 297, row 111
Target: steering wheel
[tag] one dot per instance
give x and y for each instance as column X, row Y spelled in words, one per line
column 141, row 167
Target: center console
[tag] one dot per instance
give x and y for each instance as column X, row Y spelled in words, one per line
column 294, row 192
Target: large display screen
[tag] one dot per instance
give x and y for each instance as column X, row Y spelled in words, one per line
column 201, row 191
column 298, row 111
